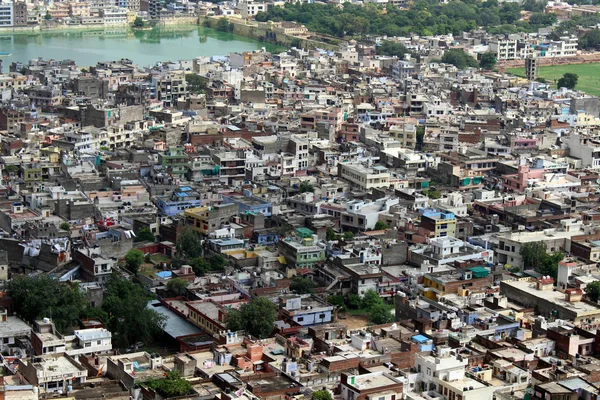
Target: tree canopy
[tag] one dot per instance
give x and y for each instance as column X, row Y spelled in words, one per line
column 306, row 186
column 129, row 318
column 172, row 385
column 379, row 312
column 536, row 257
column 593, row 291
column 380, row 225
column 389, row 48
column 426, row 17
column 177, row 286
column 133, row 260
column 568, row 80
column 195, row 83
column 189, row 244
column 459, row 58
column 256, row 318
column 41, row 296
column 302, row 285
column 487, row 61
column 144, row 235
column 224, row 25
column 321, row 395
column 590, row 40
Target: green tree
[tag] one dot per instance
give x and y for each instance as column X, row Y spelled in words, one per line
column 590, row 40
column 380, row 226
column 336, row 300
column 133, row 260
column 331, row 234
column 459, row 58
column 380, row 314
column 302, row 285
column 542, row 19
column 47, row 17
column 295, row 42
column 370, row 299
column 172, row 385
column 224, row 25
column 189, row 244
column 540, row 80
column 256, row 318
column 348, row 235
column 177, row 286
column 65, row 226
column 592, row 291
column 420, row 137
column 389, row 48
column 129, row 318
column 234, row 320
column 306, row 186
column 195, row 83
column 487, row 61
column 434, row 194
column 533, row 255
column 321, row 395
column 144, row 235
column 568, row 80
column 138, row 22
column 353, row 301
column 199, row 266
column 41, row 296
column 217, row 263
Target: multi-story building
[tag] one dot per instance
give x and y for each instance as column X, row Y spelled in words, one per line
column 448, row 250
column 115, row 16
column 20, row 13
column 555, row 239
column 440, row 224
column 364, row 178
column 180, row 200
column 231, row 166
column 504, row 49
column 207, row 219
column 303, row 251
column 362, row 216
column 169, row 87
column 175, row 160
column 586, row 148
column 249, row 8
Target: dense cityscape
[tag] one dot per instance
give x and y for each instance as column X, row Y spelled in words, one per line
column 378, row 200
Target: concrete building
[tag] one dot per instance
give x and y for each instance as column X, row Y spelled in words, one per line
column 364, row 178
column 540, row 294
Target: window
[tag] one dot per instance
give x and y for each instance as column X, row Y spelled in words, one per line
column 300, row 319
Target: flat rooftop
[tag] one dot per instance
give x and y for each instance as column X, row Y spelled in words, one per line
column 556, row 297
column 14, row 326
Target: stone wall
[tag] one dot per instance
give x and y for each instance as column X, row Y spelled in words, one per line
column 263, row 32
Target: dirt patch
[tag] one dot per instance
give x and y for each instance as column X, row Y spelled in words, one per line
column 355, row 321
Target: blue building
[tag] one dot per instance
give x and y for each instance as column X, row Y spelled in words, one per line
column 265, row 236
column 305, row 310
column 250, row 204
column 177, row 202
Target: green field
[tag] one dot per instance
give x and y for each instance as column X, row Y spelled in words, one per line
column 589, row 75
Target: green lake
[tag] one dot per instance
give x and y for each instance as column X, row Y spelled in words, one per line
column 86, row 47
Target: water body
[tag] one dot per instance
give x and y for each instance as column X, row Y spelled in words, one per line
column 86, row 47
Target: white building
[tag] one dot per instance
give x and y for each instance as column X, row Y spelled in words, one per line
column 365, row 178
column 6, row 14
column 249, row 8
column 556, row 239
column 585, row 148
column 115, row 16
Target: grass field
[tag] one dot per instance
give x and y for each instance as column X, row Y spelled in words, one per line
column 589, row 75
